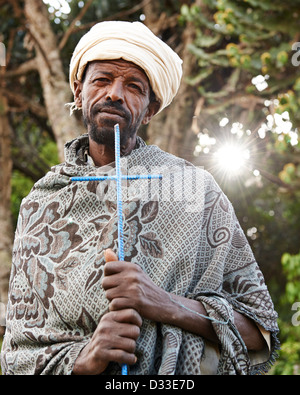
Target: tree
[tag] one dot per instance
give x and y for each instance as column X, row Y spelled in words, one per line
column 5, row 218
column 48, row 62
column 171, row 129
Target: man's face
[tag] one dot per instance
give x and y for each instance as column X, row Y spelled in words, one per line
column 114, row 92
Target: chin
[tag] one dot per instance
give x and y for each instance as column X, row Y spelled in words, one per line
column 103, row 136
column 103, row 132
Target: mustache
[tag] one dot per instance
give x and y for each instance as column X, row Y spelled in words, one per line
column 111, row 106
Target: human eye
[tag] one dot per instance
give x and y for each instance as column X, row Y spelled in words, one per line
column 101, row 79
column 135, row 86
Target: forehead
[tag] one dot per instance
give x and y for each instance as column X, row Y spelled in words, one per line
column 118, row 66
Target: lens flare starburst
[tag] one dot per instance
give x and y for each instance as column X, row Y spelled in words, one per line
column 231, row 159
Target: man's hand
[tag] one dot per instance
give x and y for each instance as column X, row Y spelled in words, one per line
column 127, row 286
column 114, row 340
column 133, row 296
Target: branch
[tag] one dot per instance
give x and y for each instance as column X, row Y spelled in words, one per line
column 73, row 24
column 18, row 12
column 10, row 45
column 39, row 47
column 21, row 164
column 275, row 180
column 24, row 68
column 120, row 14
column 25, row 104
column 241, row 99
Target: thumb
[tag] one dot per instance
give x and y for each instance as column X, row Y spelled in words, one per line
column 110, row 256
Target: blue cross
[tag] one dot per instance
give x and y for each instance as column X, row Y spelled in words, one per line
column 118, row 178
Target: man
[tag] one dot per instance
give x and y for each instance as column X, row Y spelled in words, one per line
column 190, row 298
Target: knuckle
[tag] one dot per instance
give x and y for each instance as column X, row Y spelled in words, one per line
column 133, row 315
column 115, row 305
column 128, row 358
column 136, row 332
column 131, row 345
column 136, row 317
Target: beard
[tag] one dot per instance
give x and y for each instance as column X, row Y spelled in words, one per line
column 104, row 134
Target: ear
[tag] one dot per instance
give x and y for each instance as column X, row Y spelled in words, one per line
column 78, row 93
column 151, row 111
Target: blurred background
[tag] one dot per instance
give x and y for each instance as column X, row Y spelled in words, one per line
column 237, row 114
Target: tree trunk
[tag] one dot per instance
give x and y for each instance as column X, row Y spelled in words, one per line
column 56, row 89
column 171, row 129
column 6, row 239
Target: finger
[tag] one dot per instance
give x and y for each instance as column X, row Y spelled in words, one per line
column 111, row 278
column 126, row 316
column 118, row 303
column 115, row 348
column 121, row 357
column 114, row 267
column 125, row 342
column 110, row 256
column 127, row 336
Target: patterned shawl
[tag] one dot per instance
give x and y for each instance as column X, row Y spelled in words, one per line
column 181, row 230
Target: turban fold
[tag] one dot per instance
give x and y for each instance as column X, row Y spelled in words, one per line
column 134, row 42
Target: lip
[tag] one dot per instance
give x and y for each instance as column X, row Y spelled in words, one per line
column 112, row 112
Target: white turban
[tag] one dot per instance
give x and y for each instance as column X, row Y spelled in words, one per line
column 134, row 42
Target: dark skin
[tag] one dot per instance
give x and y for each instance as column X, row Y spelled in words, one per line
column 131, row 293
column 114, row 82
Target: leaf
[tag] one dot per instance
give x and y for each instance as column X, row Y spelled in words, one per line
column 62, row 271
column 207, row 41
column 93, row 279
column 149, row 212
column 200, row 77
column 185, row 11
column 150, row 245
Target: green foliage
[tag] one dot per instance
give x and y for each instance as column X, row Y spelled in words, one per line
column 291, row 268
column 253, row 36
column 21, row 186
column 46, row 155
column 48, row 151
column 289, row 355
column 289, row 361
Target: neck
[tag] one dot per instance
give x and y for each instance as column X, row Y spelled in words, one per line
column 103, row 155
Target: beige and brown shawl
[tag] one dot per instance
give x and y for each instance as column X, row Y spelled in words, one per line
column 181, row 230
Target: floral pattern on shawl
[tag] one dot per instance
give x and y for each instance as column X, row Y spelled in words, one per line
column 40, row 240
column 56, row 299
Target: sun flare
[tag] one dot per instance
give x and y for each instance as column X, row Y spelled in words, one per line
column 232, row 159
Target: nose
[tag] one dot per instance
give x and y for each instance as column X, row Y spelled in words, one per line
column 115, row 92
